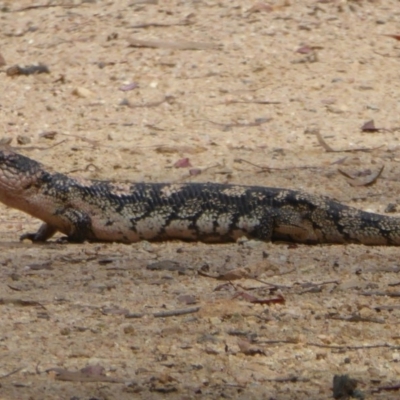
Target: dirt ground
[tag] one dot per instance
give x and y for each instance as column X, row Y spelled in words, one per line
column 244, row 92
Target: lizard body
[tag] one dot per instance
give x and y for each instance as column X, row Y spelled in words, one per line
column 210, row 212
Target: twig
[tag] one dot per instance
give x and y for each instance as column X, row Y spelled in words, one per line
column 37, row 147
column 357, row 318
column 274, row 285
column 79, row 376
column 345, row 347
column 163, row 314
column 322, row 142
column 378, row 293
column 254, row 300
column 48, row 5
column 250, row 102
column 34, row 7
column 20, row 302
column 264, row 168
column 161, row 25
column 384, row 55
column 87, row 168
column 151, row 104
column 175, row 45
column 369, row 180
column 308, row 284
column 11, row 373
column 331, row 346
column 290, row 378
column 83, row 138
column 257, row 122
column 329, row 149
column 134, row 315
column 285, row 341
column 248, row 90
column 173, row 313
column 387, row 388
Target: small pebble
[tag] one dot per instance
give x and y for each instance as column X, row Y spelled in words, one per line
column 23, row 139
column 82, row 92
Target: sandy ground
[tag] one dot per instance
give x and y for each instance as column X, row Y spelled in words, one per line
column 241, row 89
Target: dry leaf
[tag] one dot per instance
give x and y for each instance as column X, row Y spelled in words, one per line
column 129, row 86
column 194, row 171
column 369, row 126
column 397, row 37
column 305, row 50
column 183, row 163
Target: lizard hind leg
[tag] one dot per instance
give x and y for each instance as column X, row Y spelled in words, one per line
column 294, row 226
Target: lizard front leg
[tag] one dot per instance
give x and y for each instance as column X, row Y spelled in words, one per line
column 45, row 232
column 78, row 222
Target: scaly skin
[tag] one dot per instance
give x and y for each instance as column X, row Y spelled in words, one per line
column 104, row 211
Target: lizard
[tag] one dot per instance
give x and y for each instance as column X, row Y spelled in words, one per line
column 104, row 211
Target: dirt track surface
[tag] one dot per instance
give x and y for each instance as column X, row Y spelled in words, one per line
column 241, row 89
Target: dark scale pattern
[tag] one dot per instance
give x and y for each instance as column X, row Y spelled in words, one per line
column 105, row 211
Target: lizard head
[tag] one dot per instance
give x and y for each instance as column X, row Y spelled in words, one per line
column 18, row 174
column 28, row 186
